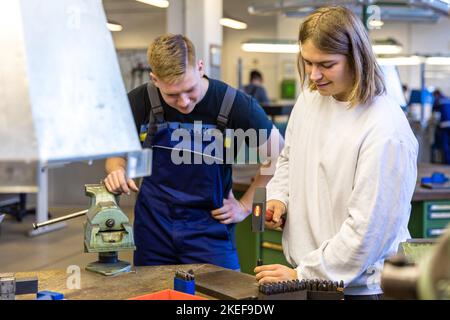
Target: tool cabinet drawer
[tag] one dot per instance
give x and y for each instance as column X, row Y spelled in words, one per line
column 435, row 232
column 437, row 211
column 429, row 219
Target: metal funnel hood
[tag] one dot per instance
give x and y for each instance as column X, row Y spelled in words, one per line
column 62, row 94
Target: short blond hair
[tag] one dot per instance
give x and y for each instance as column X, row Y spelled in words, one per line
column 337, row 30
column 170, row 55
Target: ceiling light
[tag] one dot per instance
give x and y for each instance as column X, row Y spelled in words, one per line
column 387, row 49
column 401, row 61
column 156, row 3
column 114, row 26
column 415, row 60
column 442, row 61
column 232, row 23
column 386, row 46
column 271, row 46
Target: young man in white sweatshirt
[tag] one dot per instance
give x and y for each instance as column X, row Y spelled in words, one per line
column 348, row 170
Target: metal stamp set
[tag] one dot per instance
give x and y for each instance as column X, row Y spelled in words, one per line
column 306, row 289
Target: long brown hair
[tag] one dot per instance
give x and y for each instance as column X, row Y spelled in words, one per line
column 337, row 30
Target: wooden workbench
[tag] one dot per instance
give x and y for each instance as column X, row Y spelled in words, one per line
column 142, row 280
column 278, row 109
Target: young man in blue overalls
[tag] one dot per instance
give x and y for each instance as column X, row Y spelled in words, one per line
column 186, row 213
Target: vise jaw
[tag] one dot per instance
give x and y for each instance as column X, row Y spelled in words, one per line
column 107, row 230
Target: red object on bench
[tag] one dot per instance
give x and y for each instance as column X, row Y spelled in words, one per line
column 167, row 294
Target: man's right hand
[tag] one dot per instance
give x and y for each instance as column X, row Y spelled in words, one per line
column 116, row 182
column 275, row 220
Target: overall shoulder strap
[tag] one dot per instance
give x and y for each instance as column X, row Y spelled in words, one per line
column 156, row 116
column 156, row 106
column 225, row 109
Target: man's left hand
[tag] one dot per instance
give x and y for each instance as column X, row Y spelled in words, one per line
column 275, row 273
column 232, row 211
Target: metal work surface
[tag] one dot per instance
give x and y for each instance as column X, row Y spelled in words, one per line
column 227, row 284
column 124, row 286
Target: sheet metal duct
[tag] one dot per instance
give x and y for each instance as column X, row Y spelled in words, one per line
column 390, row 13
column 62, row 94
column 282, row 6
column 300, row 8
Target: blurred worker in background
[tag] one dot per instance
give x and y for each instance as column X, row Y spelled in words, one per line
column 255, row 88
column 186, row 212
column 347, row 173
column 441, row 111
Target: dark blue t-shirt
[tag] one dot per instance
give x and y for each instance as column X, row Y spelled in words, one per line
column 245, row 114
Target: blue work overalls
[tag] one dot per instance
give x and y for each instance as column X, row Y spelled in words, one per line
column 173, row 221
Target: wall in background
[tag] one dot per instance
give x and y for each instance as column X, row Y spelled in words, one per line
column 266, row 63
column 259, row 27
column 139, row 30
column 133, row 64
column 419, row 38
column 287, row 29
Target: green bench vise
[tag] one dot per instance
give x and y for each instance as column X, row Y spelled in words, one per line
column 107, row 231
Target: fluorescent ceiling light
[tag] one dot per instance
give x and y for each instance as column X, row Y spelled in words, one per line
column 289, row 46
column 156, row 3
column 442, row 61
column 234, row 24
column 401, row 61
column 386, row 49
column 272, row 46
column 414, row 60
column 114, row 26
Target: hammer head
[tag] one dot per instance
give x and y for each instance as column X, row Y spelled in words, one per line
column 259, row 210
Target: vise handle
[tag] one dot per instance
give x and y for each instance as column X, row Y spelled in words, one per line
column 59, row 219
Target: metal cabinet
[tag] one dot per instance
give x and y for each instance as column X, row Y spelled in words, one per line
column 429, row 219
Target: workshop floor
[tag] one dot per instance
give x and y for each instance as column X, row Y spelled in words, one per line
column 55, row 250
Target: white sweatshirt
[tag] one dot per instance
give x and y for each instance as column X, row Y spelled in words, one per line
column 347, row 176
